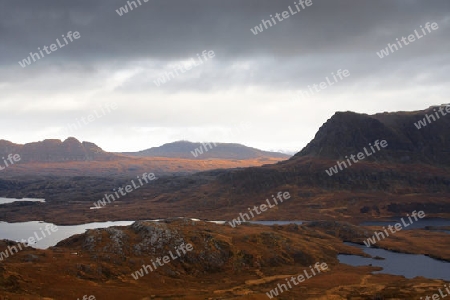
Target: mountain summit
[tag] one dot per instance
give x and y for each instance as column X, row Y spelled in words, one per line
column 54, row 150
column 189, row 150
column 419, row 136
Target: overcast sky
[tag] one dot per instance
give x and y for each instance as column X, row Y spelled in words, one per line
column 253, row 79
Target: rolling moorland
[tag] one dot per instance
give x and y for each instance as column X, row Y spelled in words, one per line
column 71, row 157
column 411, row 173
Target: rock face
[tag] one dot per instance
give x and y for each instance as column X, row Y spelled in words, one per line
column 53, row 150
column 225, row 263
column 216, row 248
column 182, row 149
column 348, row 133
column 144, row 239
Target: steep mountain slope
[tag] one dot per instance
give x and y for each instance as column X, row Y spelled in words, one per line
column 347, row 133
column 185, row 149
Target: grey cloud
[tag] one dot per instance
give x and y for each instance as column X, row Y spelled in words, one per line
column 162, row 29
column 117, row 58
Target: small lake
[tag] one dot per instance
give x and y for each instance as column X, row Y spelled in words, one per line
column 270, row 223
column 12, row 200
column 267, row 223
column 408, row 265
column 24, row 230
column 421, row 223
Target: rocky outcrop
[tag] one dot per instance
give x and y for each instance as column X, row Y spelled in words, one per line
column 216, row 248
column 53, row 150
column 348, row 133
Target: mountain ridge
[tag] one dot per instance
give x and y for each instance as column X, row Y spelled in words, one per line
column 210, row 150
column 346, row 133
column 53, row 157
column 56, row 150
column 381, row 186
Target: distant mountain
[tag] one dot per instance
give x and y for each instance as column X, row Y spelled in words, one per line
column 189, row 150
column 72, row 158
column 411, row 173
column 347, row 133
column 53, row 150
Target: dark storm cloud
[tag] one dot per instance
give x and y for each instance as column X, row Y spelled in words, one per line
column 168, row 29
column 251, row 78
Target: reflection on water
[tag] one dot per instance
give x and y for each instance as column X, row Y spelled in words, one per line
column 270, row 223
column 408, row 265
column 11, row 200
column 422, row 223
column 24, row 230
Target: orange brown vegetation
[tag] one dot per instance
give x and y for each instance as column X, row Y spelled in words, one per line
column 130, row 166
column 226, row 263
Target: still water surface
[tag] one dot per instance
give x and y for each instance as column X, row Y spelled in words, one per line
column 12, row 200
column 408, row 265
column 421, row 223
column 24, row 230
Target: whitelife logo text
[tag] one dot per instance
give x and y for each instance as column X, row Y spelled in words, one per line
column 53, row 47
column 160, row 261
column 9, row 161
column 379, row 235
column 280, row 17
column 334, row 170
column 279, row 289
column 411, row 38
column 128, row 189
column 262, row 208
